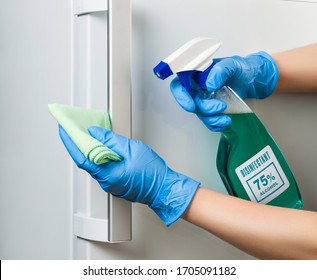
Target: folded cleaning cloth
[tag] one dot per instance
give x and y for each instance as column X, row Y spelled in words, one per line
column 76, row 121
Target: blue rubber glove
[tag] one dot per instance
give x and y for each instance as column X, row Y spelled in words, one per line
column 253, row 76
column 142, row 176
column 209, row 111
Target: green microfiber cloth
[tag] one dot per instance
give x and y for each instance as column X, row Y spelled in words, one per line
column 76, row 121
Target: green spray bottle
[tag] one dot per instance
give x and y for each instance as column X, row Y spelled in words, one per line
column 249, row 162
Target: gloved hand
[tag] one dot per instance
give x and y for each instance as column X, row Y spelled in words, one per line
column 142, row 176
column 253, row 76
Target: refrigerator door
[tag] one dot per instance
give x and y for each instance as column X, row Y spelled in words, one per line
column 59, row 51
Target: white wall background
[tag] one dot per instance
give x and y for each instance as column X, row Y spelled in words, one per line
column 35, row 69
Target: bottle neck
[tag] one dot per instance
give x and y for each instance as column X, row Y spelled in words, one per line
column 235, row 105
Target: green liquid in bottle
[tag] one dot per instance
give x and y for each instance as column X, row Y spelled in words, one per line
column 252, row 166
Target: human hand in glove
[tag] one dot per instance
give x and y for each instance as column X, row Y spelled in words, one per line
column 253, row 76
column 142, row 176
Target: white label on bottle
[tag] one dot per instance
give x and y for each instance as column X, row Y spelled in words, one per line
column 262, row 176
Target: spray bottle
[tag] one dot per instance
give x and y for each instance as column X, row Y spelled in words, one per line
column 249, row 161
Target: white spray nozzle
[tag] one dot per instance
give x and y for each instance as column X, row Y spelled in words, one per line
column 194, row 55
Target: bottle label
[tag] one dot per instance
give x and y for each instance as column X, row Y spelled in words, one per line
column 262, row 176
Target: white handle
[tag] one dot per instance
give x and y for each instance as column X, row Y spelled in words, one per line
column 102, row 79
column 83, row 7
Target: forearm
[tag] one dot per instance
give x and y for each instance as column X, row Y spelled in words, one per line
column 297, row 69
column 266, row 232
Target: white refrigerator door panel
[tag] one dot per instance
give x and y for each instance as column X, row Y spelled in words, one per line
column 35, row 70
